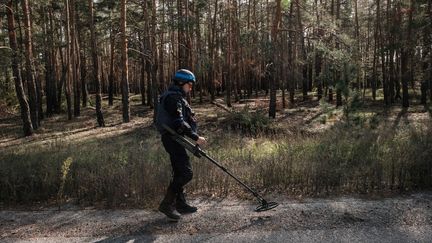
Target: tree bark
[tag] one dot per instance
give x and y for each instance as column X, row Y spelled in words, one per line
column 30, row 70
column 160, row 64
column 383, row 51
column 68, row 79
column 182, row 45
column 24, row 106
column 146, row 60
column 234, row 37
column 337, row 73
column 212, row 47
column 391, row 53
column 273, row 66
column 228, row 79
column 84, row 77
column 50, row 81
column 111, row 71
column 142, row 79
column 430, row 49
column 73, row 57
column 302, row 52
column 357, row 35
column 99, row 114
column 291, row 56
column 82, row 63
column 154, row 63
column 124, row 63
column 405, row 56
column 317, row 56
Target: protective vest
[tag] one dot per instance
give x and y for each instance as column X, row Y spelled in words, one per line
column 163, row 117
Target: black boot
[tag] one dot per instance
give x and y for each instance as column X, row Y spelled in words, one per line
column 166, row 207
column 182, row 206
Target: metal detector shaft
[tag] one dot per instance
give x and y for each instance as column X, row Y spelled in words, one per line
column 197, row 151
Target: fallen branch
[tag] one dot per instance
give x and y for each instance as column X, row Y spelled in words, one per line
column 222, row 106
column 105, row 97
column 5, row 47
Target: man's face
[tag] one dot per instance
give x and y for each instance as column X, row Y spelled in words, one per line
column 187, row 87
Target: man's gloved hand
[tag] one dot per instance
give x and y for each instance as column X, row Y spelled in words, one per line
column 201, row 141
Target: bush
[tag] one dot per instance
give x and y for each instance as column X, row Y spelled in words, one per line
column 249, row 122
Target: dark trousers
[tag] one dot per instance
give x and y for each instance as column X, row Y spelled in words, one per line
column 182, row 169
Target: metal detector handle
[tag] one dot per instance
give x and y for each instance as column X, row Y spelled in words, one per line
column 193, row 148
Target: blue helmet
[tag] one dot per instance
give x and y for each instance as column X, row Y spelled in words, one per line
column 183, row 76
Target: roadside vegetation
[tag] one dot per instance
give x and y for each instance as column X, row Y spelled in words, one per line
column 359, row 151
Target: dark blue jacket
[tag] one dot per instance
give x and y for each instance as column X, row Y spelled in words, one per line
column 174, row 111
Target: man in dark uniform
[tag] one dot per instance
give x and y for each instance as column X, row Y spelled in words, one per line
column 175, row 112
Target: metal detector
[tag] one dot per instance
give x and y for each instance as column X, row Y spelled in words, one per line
column 198, row 152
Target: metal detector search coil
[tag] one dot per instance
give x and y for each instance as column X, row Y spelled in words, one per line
column 198, row 152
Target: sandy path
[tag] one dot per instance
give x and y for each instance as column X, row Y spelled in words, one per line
column 402, row 219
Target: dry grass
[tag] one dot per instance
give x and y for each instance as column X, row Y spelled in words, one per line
column 376, row 150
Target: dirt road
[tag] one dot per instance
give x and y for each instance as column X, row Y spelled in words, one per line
column 402, row 219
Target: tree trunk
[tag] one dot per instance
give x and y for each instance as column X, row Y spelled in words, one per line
column 73, row 57
column 391, row 53
column 234, row 37
column 199, row 53
column 182, row 45
column 430, row 49
column 331, row 82
column 84, row 77
column 291, row 57
column 148, row 49
column 69, row 64
column 38, row 76
column 161, row 68
column 99, row 115
column 273, row 66
column 374, row 72
column 111, row 71
column 24, row 106
column 383, row 51
column 381, row 46
column 29, row 64
column 50, row 81
column 142, row 80
column 405, row 56
column 212, row 47
column 229, row 57
column 124, row 63
column 340, row 82
column 317, row 56
column 154, row 66
column 62, row 83
column 302, row 51
column 82, row 63
column 357, row 53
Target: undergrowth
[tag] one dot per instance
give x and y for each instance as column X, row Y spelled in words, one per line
column 134, row 169
column 249, row 122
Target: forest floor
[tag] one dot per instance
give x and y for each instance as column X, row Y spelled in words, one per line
column 344, row 219
column 307, row 117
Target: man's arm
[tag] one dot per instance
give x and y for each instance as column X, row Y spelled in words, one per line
column 174, row 107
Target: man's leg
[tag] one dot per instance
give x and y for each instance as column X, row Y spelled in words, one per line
column 182, row 175
column 167, row 204
column 182, row 206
